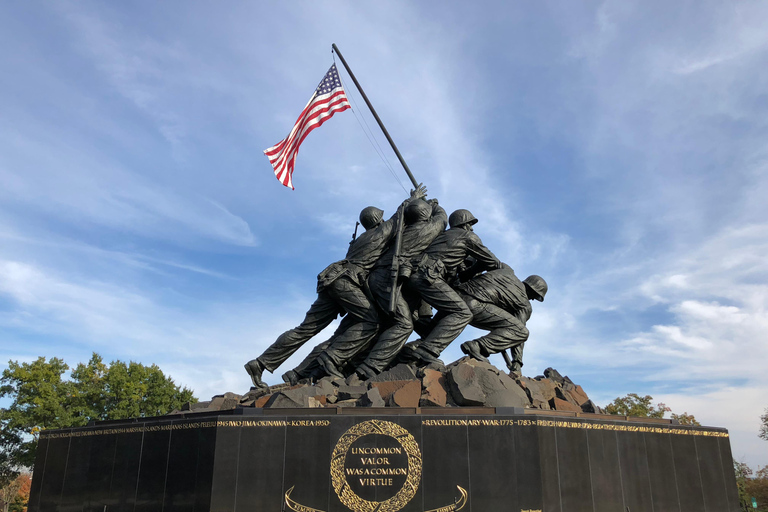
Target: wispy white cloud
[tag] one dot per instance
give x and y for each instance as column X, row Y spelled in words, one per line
column 124, row 323
column 101, row 192
column 147, row 71
column 724, row 334
column 79, row 250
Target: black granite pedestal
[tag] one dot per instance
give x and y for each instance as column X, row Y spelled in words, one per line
column 385, row 460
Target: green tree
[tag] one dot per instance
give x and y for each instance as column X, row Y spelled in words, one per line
column 686, row 419
column 43, row 399
column 764, row 427
column 743, row 475
column 636, row 405
column 642, row 407
column 757, row 488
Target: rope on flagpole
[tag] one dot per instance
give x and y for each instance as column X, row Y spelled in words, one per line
column 372, row 140
column 416, row 184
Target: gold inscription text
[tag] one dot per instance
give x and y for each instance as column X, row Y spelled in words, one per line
column 375, row 481
column 376, row 451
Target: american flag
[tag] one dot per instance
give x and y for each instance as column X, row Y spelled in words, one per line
column 329, row 98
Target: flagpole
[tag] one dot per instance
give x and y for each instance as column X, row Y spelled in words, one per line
column 376, row 116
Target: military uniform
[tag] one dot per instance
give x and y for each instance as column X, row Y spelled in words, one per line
column 436, row 268
column 415, row 238
column 499, row 303
column 339, row 290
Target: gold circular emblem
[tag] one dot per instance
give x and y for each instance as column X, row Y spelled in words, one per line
column 339, row 479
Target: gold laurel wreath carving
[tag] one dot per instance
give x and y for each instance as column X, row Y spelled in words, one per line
column 347, row 496
column 297, row 507
column 454, row 506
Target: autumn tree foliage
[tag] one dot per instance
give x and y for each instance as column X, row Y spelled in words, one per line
column 685, row 419
column 14, row 494
column 42, row 398
column 636, row 405
column 752, row 487
column 643, row 407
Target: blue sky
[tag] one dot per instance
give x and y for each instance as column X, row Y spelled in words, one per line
column 616, row 148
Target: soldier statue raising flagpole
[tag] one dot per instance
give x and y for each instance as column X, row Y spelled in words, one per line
column 392, row 276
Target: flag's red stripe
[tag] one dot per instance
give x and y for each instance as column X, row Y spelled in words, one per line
column 287, row 165
column 302, row 120
column 310, row 106
column 320, row 123
column 288, row 159
column 307, row 125
column 303, row 113
column 283, row 155
column 309, row 120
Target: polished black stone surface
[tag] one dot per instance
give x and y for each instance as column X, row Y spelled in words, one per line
column 497, row 490
column 661, row 472
column 636, row 483
column 574, row 470
column 474, row 459
column 225, row 465
column 37, row 482
column 605, row 472
column 125, row 470
column 527, row 464
column 687, row 474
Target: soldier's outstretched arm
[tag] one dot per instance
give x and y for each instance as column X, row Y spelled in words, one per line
column 482, row 254
column 439, row 217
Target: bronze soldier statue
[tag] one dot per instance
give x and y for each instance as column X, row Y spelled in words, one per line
column 436, row 268
column 424, row 220
column 310, row 365
column 339, row 291
column 500, row 303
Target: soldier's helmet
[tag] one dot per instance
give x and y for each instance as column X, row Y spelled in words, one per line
column 461, row 217
column 371, row 216
column 417, row 210
column 538, row 285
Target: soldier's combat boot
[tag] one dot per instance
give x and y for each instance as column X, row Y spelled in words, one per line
column 291, row 377
column 365, row 372
column 406, row 354
column 255, row 369
column 472, row 349
column 425, row 357
column 329, row 366
column 515, row 369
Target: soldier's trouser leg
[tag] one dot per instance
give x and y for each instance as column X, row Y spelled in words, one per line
column 506, row 330
column 393, row 338
column 359, row 334
column 425, row 322
column 322, row 312
column 517, row 356
column 354, row 301
column 309, row 364
column 454, row 315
